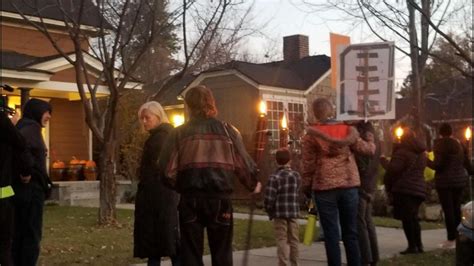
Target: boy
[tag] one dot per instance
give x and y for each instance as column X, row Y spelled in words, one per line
column 281, row 204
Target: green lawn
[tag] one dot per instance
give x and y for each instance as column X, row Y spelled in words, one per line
column 72, row 237
column 432, row 258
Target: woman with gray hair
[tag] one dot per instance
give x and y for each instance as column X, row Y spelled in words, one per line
column 156, row 217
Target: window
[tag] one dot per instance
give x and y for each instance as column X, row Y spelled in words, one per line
column 295, row 115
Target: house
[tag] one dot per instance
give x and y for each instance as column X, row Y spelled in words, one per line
column 31, row 64
column 288, row 86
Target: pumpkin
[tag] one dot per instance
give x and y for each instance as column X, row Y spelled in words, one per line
column 58, row 164
column 90, row 164
column 82, row 162
column 74, row 161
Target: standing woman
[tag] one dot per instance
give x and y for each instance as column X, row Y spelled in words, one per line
column 156, row 218
column 405, row 183
column 450, row 163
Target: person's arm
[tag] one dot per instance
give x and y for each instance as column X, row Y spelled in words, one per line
column 365, row 146
column 271, row 190
column 310, row 155
column 246, row 168
column 440, row 158
column 168, row 160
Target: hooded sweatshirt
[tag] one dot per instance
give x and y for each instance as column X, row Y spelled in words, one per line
column 33, row 159
column 328, row 160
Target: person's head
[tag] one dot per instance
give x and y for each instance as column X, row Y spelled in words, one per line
column 445, row 130
column 151, row 115
column 200, row 102
column 322, row 109
column 38, row 110
column 282, row 156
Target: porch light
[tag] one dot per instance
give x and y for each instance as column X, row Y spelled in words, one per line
column 178, row 120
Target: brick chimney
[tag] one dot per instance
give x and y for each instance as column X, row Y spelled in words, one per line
column 295, row 47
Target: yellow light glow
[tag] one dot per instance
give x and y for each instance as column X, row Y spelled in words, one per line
column 468, row 133
column 262, row 108
column 399, row 132
column 284, row 122
column 178, row 120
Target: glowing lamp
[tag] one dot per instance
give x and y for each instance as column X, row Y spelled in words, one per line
column 468, row 133
column 262, row 108
column 284, row 123
column 399, row 132
column 178, row 120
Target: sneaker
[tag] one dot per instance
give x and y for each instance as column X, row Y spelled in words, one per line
column 448, row 244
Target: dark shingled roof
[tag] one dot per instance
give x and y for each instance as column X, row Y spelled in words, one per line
column 299, row 75
column 17, row 61
column 171, row 96
column 49, row 9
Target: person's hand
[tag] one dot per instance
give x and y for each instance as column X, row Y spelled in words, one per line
column 25, row 179
column 307, row 191
column 258, row 188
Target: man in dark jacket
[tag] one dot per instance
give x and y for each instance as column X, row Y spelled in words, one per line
column 32, row 185
column 201, row 159
column 368, row 167
column 11, row 143
column 450, row 163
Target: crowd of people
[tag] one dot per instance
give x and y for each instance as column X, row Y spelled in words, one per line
column 186, row 179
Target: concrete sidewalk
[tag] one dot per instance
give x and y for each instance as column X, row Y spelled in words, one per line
column 390, row 240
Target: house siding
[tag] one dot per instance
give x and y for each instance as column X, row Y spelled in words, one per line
column 31, row 42
column 237, row 103
column 69, row 135
column 322, row 90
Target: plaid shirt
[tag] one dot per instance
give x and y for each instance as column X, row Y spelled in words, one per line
column 282, row 193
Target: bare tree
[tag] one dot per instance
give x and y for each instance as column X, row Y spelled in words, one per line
column 414, row 25
column 120, row 22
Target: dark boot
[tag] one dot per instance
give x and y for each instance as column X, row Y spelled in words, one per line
column 408, row 229
column 417, row 237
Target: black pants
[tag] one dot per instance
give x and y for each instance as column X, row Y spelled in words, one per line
column 215, row 215
column 405, row 208
column 369, row 249
column 6, row 231
column 28, row 228
column 451, row 203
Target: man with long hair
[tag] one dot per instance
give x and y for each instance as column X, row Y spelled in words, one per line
column 201, row 159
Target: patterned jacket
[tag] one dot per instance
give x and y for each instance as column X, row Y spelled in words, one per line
column 202, row 157
column 328, row 159
column 281, row 194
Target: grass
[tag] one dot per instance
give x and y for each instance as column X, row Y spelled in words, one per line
column 393, row 223
column 432, row 258
column 71, row 236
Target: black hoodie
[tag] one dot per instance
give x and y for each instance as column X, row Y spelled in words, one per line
column 11, row 143
column 33, row 160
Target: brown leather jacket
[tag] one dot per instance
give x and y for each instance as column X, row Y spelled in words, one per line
column 328, row 159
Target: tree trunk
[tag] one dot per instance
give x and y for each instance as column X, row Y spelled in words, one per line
column 414, row 58
column 108, row 189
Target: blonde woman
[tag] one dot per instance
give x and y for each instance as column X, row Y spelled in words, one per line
column 156, row 220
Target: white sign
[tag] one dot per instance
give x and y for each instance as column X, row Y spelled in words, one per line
column 365, row 86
